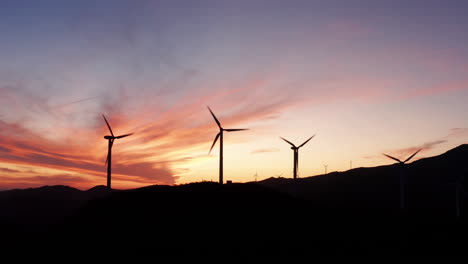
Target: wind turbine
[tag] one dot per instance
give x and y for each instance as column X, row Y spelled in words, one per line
column 279, row 175
column 403, row 177
column 325, row 166
column 110, row 140
column 296, row 153
column 459, row 193
column 220, row 136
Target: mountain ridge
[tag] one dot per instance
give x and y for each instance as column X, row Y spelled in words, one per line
column 349, row 212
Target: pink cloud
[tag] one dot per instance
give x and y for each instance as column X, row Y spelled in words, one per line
column 444, row 88
column 405, row 152
column 163, row 125
column 186, row 123
column 425, row 147
column 458, row 132
column 264, row 150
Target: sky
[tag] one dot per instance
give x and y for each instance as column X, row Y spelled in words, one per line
column 364, row 77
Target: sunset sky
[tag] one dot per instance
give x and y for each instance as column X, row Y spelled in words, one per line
column 365, row 77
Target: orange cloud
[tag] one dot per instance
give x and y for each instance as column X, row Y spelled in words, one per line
column 169, row 131
column 155, row 154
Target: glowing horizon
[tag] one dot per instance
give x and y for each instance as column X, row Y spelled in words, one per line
column 364, row 82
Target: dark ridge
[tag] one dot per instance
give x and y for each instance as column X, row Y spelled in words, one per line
column 98, row 188
column 431, row 189
column 340, row 213
column 191, row 217
column 98, row 191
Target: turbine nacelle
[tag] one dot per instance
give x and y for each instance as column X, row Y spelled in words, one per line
column 403, row 176
column 111, row 139
column 221, row 129
column 220, row 137
column 112, row 133
column 296, row 153
column 399, row 161
column 293, row 147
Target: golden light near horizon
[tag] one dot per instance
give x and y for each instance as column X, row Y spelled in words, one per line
column 357, row 79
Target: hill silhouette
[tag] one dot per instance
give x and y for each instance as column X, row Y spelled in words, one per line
column 431, row 188
column 352, row 212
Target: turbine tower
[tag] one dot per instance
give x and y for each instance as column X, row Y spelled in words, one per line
column 220, row 136
column 459, row 193
column 403, row 177
column 110, row 140
column 296, row 154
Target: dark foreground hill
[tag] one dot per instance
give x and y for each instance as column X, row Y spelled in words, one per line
column 354, row 212
column 431, row 189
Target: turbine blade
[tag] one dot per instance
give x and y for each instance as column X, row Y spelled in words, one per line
column 108, row 125
column 235, row 129
column 410, row 157
column 214, row 142
column 216, row 119
column 288, row 142
column 126, row 135
column 108, row 152
column 306, row 141
column 391, row 157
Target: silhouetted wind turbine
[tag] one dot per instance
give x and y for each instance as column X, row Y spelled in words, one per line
column 220, row 136
column 109, row 151
column 325, row 166
column 403, row 177
column 279, row 175
column 459, row 193
column 296, row 153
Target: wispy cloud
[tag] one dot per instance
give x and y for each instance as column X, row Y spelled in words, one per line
column 458, row 132
column 444, row 88
column 264, row 150
column 427, row 146
column 402, row 153
column 7, row 170
column 155, row 154
column 168, row 128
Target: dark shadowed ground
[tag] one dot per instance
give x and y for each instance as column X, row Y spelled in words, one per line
column 353, row 212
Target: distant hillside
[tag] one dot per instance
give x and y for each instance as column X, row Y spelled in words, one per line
column 341, row 213
column 40, row 208
column 431, row 188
